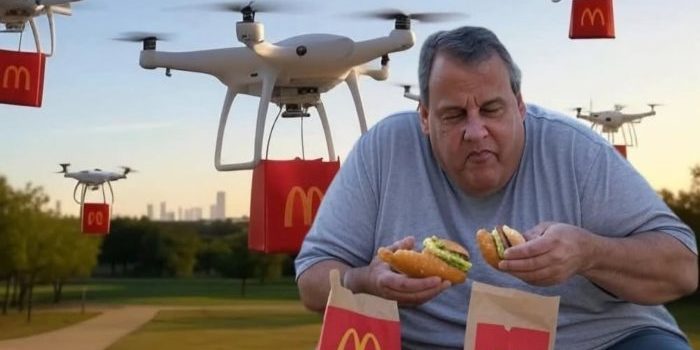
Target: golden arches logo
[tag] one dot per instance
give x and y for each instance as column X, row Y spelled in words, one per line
column 18, row 73
column 95, row 218
column 592, row 15
column 360, row 343
column 306, row 198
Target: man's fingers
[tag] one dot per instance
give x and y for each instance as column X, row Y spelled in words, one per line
column 417, row 297
column 401, row 283
column 537, row 230
column 528, row 249
column 404, row 243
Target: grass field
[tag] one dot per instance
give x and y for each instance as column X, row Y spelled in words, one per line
column 288, row 327
column 195, row 291
column 14, row 325
column 269, row 317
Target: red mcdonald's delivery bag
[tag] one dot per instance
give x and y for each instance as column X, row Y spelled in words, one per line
column 94, row 218
column 592, row 19
column 284, row 199
column 509, row 319
column 358, row 321
column 22, row 78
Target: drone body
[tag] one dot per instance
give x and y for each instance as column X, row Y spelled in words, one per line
column 291, row 73
column 15, row 14
column 613, row 121
column 92, row 179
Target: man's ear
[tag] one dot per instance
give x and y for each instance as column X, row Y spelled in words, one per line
column 424, row 123
column 522, row 108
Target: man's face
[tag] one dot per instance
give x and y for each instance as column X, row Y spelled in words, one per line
column 475, row 123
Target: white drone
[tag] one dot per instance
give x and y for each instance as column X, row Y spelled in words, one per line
column 610, row 122
column 408, row 94
column 93, row 179
column 15, row 14
column 292, row 73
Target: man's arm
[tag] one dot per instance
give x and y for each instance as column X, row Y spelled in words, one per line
column 314, row 284
column 647, row 268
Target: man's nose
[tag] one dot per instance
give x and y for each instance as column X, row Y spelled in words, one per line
column 474, row 129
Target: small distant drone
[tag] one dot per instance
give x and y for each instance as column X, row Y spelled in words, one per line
column 94, row 180
column 292, row 73
column 408, row 94
column 610, row 122
column 15, row 14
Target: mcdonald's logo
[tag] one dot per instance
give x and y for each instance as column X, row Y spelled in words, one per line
column 18, row 73
column 592, row 15
column 306, row 198
column 360, row 343
column 95, row 218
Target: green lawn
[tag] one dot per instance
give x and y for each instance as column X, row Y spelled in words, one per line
column 687, row 313
column 14, row 325
column 165, row 291
column 285, row 327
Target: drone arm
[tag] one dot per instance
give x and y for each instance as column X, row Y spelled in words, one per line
column 398, row 40
column 213, row 62
column 411, row 96
column 376, row 74
column 635, row 117
column 353, row 85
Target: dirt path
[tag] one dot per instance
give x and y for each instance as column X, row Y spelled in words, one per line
column 100, row 332
column 96, row 333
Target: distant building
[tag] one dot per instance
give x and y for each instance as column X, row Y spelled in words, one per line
column 179, row 214
column 58, row 208
column 221, row 205
column 163, row 212
column 149, row 212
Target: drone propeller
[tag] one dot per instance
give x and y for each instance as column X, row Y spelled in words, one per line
column 652, row 105
column 249, row 8
column 149, row 39
column 128, row 170
column 64, row 168
column 406, row 87
column 578, row 111
column 403, row 19
column 141, row 36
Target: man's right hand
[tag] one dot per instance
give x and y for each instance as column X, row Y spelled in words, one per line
column 378, row 279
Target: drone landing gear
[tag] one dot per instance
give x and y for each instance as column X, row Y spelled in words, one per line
column 84, row 188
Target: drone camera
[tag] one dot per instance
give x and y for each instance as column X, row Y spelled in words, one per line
column 293, row 110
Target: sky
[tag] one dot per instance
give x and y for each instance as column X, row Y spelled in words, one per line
column 102, row 110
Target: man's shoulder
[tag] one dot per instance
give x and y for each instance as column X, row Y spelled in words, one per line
column 559, row 125
column 398, row 120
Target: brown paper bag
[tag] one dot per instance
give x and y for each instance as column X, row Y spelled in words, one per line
column 358, row 321
column 509, row 319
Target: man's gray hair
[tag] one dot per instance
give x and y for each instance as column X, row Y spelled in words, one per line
column 468, row 44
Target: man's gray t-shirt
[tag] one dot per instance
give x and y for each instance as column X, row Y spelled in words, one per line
column 391, row 186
